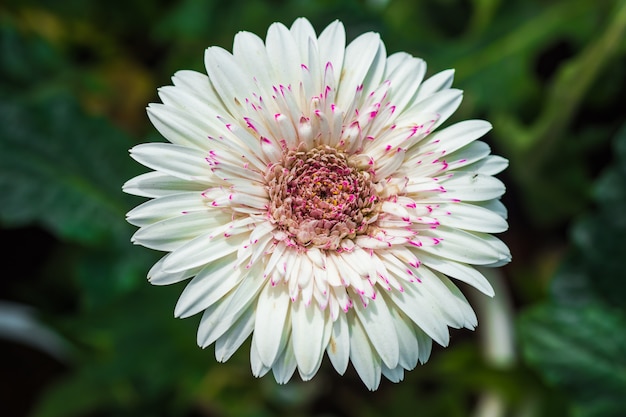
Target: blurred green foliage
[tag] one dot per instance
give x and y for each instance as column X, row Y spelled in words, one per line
column 75, row 77
column 577, row 337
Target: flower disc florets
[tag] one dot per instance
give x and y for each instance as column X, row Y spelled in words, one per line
column 319, row 198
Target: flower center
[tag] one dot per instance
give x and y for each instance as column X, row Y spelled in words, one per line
column 318, row 197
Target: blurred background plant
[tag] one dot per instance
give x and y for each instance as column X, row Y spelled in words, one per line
column 83, row 334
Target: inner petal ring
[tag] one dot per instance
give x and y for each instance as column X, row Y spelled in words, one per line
column 318, row 198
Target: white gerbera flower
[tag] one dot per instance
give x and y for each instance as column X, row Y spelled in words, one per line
column 307, row 193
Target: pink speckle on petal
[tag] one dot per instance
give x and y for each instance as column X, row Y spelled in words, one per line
column 250, row 124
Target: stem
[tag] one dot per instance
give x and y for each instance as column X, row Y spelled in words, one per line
column 497, row 338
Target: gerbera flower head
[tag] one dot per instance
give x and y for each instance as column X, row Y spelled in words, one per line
column 311, row 200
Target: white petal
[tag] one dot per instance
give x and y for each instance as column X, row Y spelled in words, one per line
column 332, row 274
column 172, row 233
column 424, row 311
column 275, row 267
column 425, row 344
column 303, row 33
column 209, row 286
column 458, row 270
column 438, row 82
column 378, row 325
column 311, row 72
column 470, row 321
column 332, row 44
column 202, row 250
column 407, row 342
column 157, row 184
column 167, row 206
column 211, row 326
column 473, row 187
column 307, row 334
column 456, row 136
column 157, row 276
column 453, row 307
column 229, row 342
column 338, row 348
column 366, row 363
column 285, row 365
column 178, row 161
column 249, row 51
column 269, row 328
column 452, row 311
column 468, row 155
column 442, row 104
column 182, row 118
column 229, row 80
column 349, row 275
column 463, row 246
column 394, row 209
column 283, row 52
column 405, row 74
column 494, row 205
column 363, row 67
column 469, row 217
column 502, row 248
column 491, row 165
column 222, row 315
column 394, row 375
column 198, row 84
column 258, row 368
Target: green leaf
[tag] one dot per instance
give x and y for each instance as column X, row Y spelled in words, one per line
column 570, row 286
column 106, row 274
column 583, row 350
column 577, row 342
column 26, row 60
column 600, row 236
column 133, row 359
column 64, row 170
